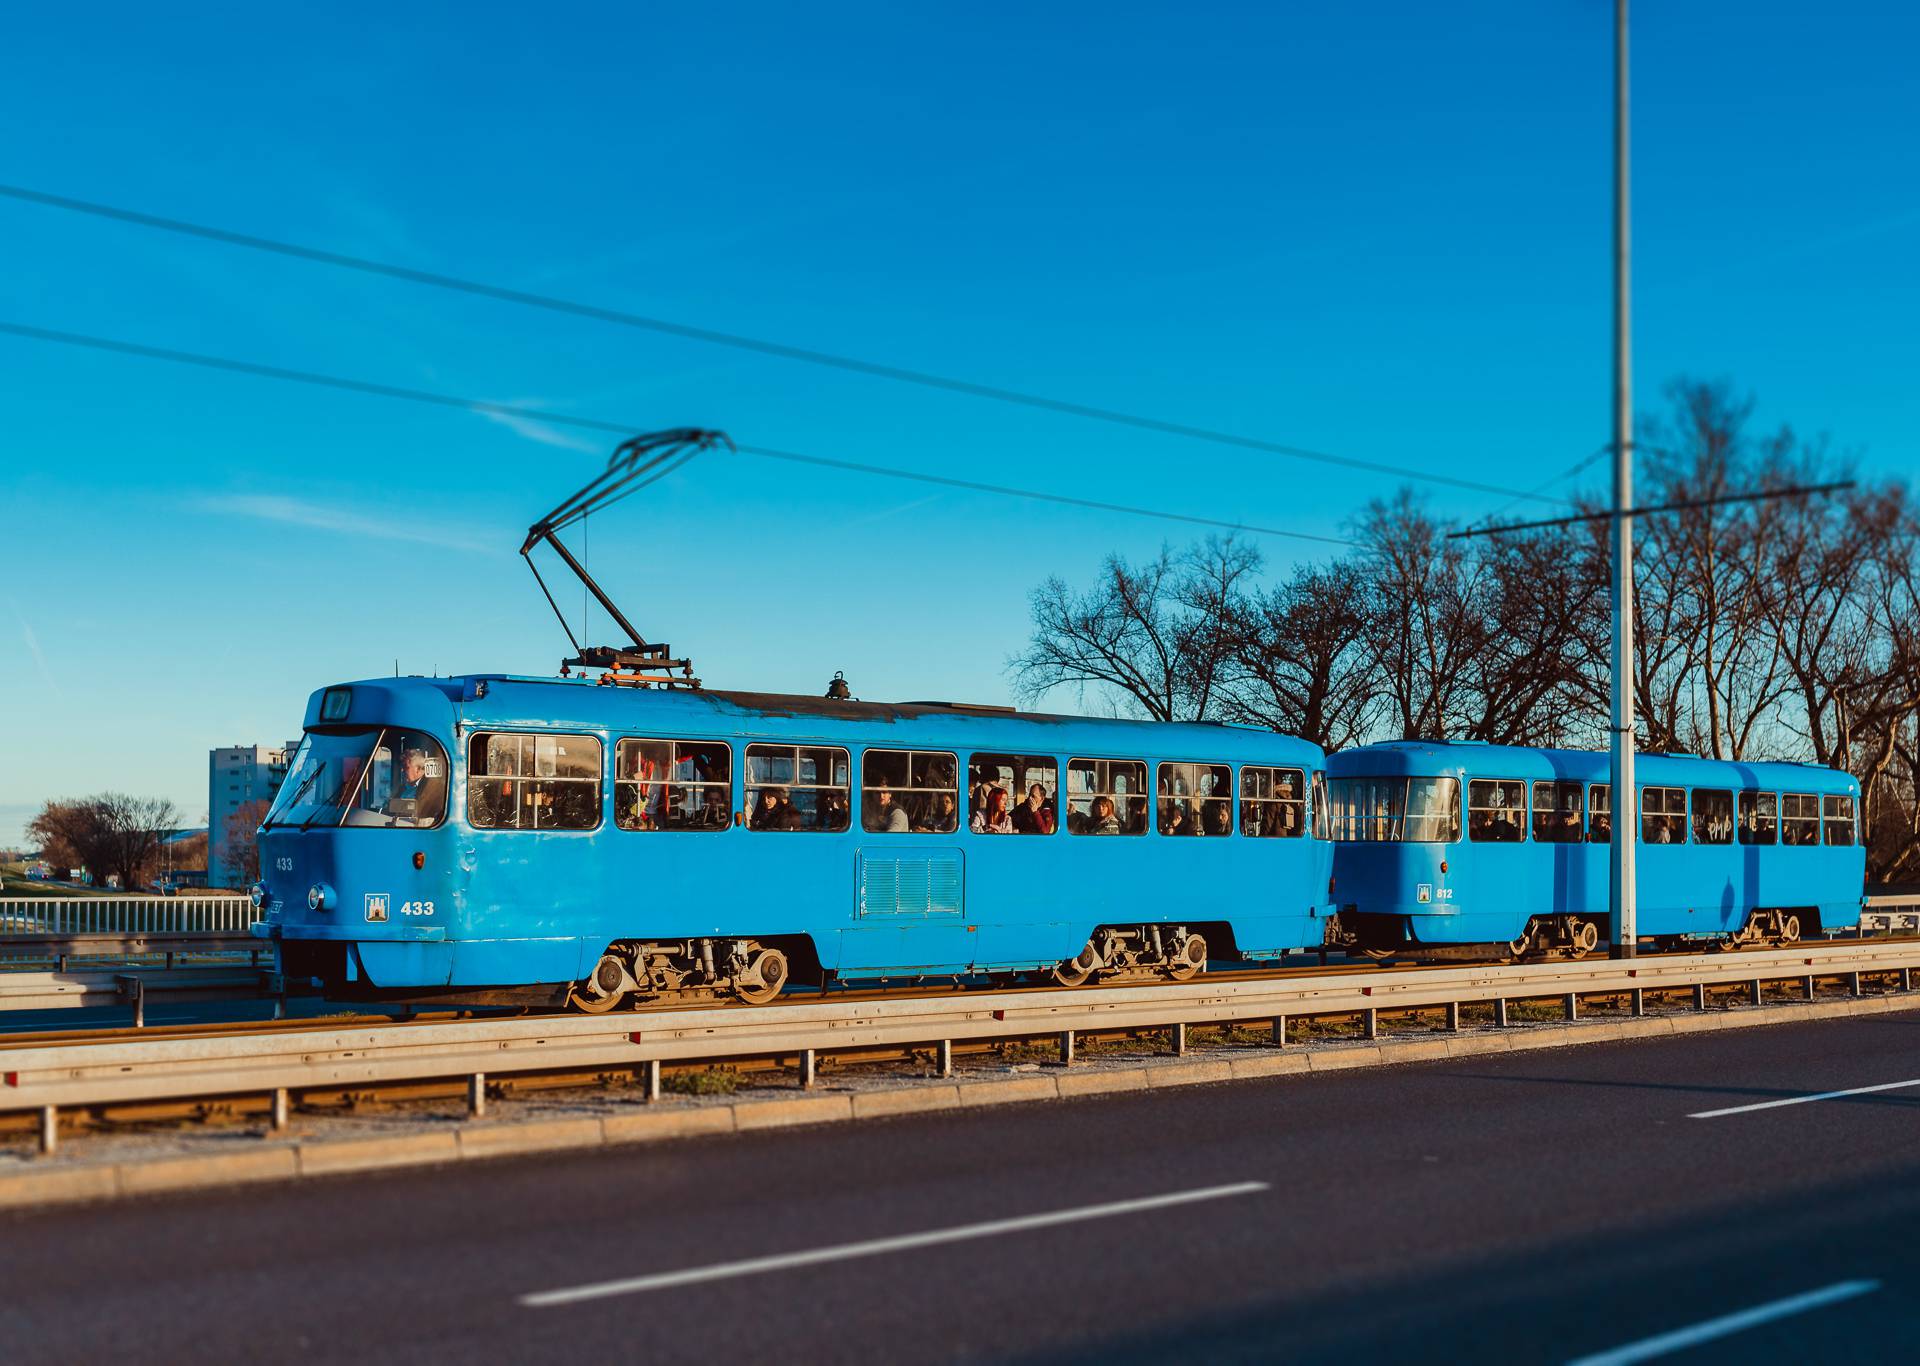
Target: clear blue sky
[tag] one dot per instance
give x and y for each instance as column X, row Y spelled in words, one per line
column 1378, row 230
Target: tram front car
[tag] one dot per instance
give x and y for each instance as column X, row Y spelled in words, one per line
column 358, row 881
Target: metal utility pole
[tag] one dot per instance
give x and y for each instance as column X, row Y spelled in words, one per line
column 1624, row 921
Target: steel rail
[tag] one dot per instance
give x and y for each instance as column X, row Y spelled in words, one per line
column 339, row 1056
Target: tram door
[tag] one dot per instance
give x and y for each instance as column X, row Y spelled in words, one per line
column 909, row 903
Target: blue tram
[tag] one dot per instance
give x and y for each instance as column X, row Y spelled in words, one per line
column 1457, row 843
column 558, row 840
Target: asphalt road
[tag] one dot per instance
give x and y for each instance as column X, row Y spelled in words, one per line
column 1535, row 1207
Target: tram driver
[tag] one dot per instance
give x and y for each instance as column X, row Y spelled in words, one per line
column 416, row 795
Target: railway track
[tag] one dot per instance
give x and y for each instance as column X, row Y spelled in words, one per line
column 278, row 1064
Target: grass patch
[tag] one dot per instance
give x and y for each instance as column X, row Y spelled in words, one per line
column 714, row 1081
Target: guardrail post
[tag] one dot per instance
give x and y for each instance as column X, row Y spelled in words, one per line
column 477, row 1095
column 1638, row 1004
column 1453, row 1017
column 1906, row 979
column 49, row 1129
column 1180, row 1040
column 807, row 1067
column 1853, row 984
column 1700, row 996
column 1573, row 1006
column 1757, row 991
column 1279, row 1031
column 650, row 1073
column 1370, row 1023
column 1066, row 1048
column 1500, row 1012
column 1809, row 986
column 943, row 1057
column 280, row 1109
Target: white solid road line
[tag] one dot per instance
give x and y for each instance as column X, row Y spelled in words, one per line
column 1806, row 1100
column 875, row 1247
column 1727, row 1325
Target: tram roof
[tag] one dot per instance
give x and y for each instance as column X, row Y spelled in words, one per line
column 506, row 699
column 1472, row 758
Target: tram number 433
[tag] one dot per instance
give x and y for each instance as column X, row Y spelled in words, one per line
column 377, row 907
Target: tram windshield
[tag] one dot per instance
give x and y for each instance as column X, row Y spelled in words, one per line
column 379, row 776
column 1395, row 810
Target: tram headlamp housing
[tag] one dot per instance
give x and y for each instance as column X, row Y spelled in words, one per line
column 257, row 894
column 319, row 897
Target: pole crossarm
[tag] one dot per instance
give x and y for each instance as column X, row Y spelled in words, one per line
column 1684, row 505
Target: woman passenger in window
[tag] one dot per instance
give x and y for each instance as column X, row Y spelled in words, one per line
column 1219, row 819
column 943, row 816
column 1032, row 817
column 1102, row 820
column 1178, row 821
column 994, row 818
column 1136, row 815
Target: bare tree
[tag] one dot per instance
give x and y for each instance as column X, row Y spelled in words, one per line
column 1153, row 639
column 1300, row 661
column 111, row 835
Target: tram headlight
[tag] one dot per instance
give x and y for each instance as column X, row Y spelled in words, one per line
column 319, row 897
column 257, row 894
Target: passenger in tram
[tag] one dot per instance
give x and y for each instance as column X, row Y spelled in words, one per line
column 1600, row 831
column 1136, row 815
column 1033, row 816
column 831, row 816
column 713, row 813
column 1570, row 826
column 775, row 811
column 943, row 816
column 1219, row 818
column 993, row 818
column 1179, row 820
column 887, row 817
column 1102, row 820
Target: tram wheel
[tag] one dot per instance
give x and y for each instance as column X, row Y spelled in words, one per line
column 605, row 989
column 1379, row 955
column 1190, row 961
column 1584, row 940
column 1518, row 949
column 1077, row 972
column 1789, row 929
column 763, row 979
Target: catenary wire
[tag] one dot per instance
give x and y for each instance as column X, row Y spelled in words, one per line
column 313, row 378
column 781, row 350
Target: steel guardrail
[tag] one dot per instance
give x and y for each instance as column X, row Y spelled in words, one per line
column 98, row 987
column 70, row 1073
column 52, row 915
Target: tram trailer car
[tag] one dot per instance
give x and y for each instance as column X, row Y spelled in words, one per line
column 1460, row 843
column 555, row 840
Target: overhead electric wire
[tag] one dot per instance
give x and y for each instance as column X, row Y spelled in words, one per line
column 739, row 341
column 484, row 406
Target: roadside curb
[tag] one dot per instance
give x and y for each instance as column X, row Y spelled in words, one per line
column 58, row 1183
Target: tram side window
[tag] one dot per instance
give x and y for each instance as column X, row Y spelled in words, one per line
column 1839, row 820
column 1271, row 803
column 533, row 782
column 1799, row 819
column 798, row 787
column 672, row 785
column 1107, row 797
column 1759, row 818
column 1556, row 813
column 1197, row 799
column 1495, row 809
column 1394, row 810
column 1031, row 783
column 1600, row 813
column 1712, row 816
column 1663, row 815
column 909, row 790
